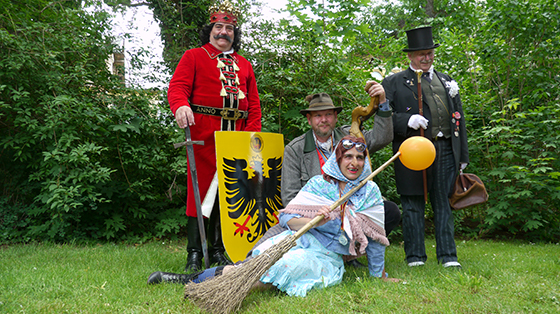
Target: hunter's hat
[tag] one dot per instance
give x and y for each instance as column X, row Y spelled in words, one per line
column 420, row 39
column 318, row 102
column 224, row 13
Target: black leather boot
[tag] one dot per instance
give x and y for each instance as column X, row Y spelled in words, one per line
column 159, row 277
column 355, row 263
column 214, row 234
column 194, row 262
column 194, row 246
column 219, row 259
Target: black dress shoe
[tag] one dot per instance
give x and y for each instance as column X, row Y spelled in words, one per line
column 160, row 276
column 194, row 262
column 218, row 258
column 355, row 263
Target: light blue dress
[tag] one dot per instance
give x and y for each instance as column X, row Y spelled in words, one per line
column 307, row 265
column 316, row 260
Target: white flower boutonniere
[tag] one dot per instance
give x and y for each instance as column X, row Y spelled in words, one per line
column 453, row 88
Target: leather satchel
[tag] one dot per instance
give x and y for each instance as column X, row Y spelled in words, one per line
column 467, row 191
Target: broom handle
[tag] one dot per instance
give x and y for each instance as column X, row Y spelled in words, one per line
column 344, row 197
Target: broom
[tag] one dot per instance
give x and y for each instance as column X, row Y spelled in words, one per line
column 225, row 293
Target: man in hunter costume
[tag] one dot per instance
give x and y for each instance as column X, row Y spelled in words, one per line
column 213, row 89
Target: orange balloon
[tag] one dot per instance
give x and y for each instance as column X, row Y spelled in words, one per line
column 417, row 153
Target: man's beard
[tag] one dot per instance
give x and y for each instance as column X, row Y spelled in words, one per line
column 320, row 133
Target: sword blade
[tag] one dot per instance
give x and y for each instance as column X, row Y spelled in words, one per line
column 196, row 191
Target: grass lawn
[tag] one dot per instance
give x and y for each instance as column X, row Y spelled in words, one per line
column 497, row 277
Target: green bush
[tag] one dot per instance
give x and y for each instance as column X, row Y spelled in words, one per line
column 82, row 156
column 512, row 89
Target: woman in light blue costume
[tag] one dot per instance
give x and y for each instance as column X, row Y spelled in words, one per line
column 355, row 228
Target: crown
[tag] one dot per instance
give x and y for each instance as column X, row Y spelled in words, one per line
column 225, row 13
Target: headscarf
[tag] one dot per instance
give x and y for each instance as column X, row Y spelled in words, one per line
column 332, row 169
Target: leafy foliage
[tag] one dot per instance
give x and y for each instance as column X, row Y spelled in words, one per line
column 517, row 87
column 82, row 155
column 180, row 22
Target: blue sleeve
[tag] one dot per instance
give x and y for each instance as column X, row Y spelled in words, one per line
column 385, row 106
column 376, row 258
column 284, row 218
column 283, row 221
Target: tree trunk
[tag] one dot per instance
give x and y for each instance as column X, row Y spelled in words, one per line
column 430, row 8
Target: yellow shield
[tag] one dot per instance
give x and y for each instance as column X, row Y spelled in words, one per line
column 249, row 166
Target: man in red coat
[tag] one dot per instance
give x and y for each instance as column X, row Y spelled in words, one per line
column 213, row 89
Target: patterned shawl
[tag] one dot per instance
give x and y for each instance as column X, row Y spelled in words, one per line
column 364, row 214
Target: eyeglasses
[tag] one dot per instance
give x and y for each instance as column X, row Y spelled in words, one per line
column 425, row 54
column 348, row 144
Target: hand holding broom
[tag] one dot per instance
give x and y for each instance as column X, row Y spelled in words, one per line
column 225, row 293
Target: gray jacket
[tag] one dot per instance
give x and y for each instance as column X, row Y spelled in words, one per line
column 301, row 161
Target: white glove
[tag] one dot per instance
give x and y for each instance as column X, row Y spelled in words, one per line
column 463, row 165
column 417, row 121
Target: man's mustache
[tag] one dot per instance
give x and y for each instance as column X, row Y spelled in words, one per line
column 226, row 37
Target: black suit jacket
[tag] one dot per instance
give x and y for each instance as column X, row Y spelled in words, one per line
column 402, row 91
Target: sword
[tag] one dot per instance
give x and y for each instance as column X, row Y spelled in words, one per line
column 421, row 111
column 200, row 219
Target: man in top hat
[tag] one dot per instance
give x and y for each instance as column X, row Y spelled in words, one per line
column 443, row 122
column 213, row 89
column 306, row 154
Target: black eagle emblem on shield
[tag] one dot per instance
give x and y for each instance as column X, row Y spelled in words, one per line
column 253, row 192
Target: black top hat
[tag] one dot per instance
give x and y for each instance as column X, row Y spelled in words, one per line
column 318, row 102
column 420, row 39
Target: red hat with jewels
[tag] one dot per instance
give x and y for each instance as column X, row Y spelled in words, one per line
column 224, row 13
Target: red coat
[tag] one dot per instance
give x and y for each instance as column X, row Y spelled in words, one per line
column 196, row 80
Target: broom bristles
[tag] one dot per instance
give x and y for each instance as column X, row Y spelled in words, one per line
column 225, row 293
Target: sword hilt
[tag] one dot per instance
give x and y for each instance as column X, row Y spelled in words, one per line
column 186, row 143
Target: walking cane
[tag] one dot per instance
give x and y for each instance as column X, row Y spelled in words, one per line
column 421, row 111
